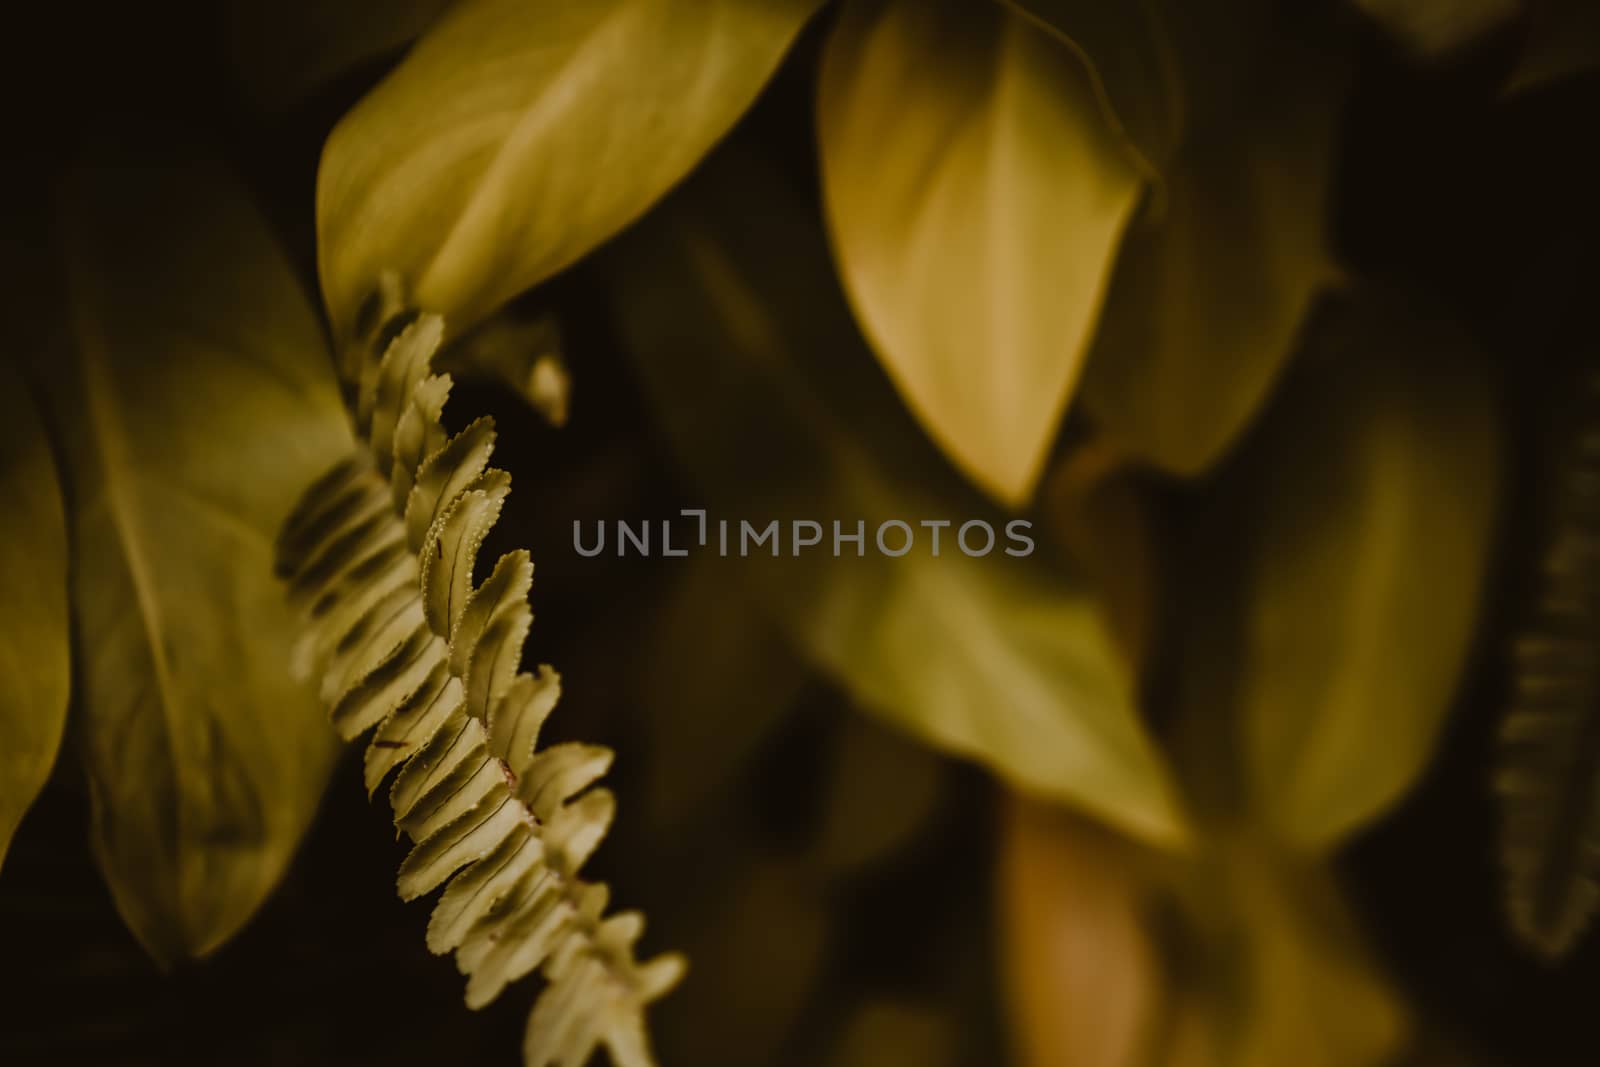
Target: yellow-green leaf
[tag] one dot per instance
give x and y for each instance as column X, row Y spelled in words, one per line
column 975, row 197
column 517, row 136
column 768, row 398
column 1366, row 507
column 200, row 403
column 1209, row 294
column 34, row 654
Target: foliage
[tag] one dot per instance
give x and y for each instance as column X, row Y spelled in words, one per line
column 1084, row 268
column 196, row 406
column 994, row 657
column 33, row 572
column 381, row 552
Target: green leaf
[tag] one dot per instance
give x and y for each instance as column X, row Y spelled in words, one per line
column 35, row 676
column 282, row 52
column 200, row 402
column 1362, row 518
column 975, row 198
column 1209, row 296
column 769, row 400
column 515, row 137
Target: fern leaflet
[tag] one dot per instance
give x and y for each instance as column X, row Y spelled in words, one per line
column 380, row 555
column 1548, row 773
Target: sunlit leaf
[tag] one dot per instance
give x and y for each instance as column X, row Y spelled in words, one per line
column 1209, row 294
column 975, row 197
column 284, row 50
column 200, row 403
column 515, row 137
column 770, row 402
column 1363, row 518
column 34, row 653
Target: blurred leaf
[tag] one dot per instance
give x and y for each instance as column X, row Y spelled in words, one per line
column 757, row 955
column 1547, row 767
column 885, row 1033
column 1165, row 71
column 1434, row 28
column 35, row 659
column 1563, row 41
column 200, row 404
column 1276, row 970
column 1101, row 518
column 515, row 137
column 521, row 354
column 1131, row 56
column 283, row 51
column 768, row 399
column 882, row 790
column 1208, row 298
column 1083, row 977
column 718, row 678
column 975, row 198
column 1368, row 502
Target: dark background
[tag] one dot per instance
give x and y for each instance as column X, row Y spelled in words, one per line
column 1484, row 205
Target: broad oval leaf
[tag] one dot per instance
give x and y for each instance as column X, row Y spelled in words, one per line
column 975, row 198
column 1367, row 506
column 200, row 403
column 1209, row 295
column 771, row 403
column 35, row 669
column 516, row 137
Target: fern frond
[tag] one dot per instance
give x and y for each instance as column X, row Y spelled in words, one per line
column 1547, row 777
column 380, row 554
